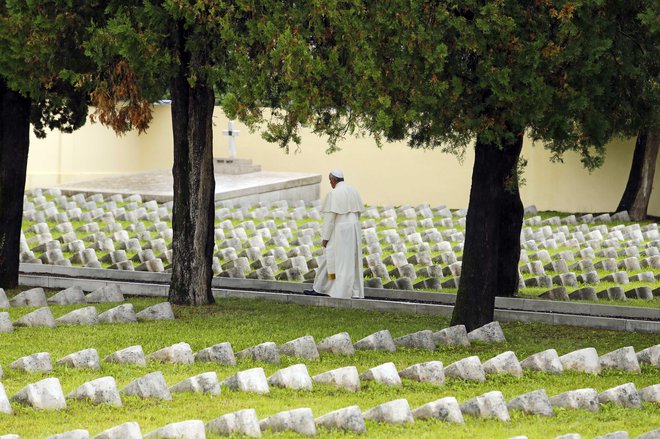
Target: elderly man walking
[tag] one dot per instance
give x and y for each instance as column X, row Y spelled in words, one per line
column 340, row 272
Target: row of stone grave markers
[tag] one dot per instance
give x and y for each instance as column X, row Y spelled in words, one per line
column 246, row 255
column 470, row 368
column 43, row 317
column 296, row 376
column 262, row 250
column 47, row 394
column 385, row 373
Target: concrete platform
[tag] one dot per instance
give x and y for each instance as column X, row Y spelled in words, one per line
column 244, row 189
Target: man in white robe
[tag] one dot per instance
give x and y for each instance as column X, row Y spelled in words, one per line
column 340, row 273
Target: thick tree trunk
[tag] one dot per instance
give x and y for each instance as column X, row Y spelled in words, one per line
column 637, row 194
column 194, row 188
column 14, row 147
column 492, row 240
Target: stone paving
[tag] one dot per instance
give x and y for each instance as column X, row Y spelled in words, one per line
column 158, row 184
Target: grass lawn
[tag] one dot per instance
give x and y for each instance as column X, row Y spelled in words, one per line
column 246, row 323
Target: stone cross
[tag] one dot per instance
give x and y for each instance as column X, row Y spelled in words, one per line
column 232, row 133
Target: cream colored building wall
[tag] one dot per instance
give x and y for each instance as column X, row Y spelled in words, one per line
column 95, row 151
column 393, row 175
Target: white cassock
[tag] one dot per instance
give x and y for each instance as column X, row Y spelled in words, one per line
column 340, row 272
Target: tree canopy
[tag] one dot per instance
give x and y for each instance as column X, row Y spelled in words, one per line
column 42, row 58
column 439, row 75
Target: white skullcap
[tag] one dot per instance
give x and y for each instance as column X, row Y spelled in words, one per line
column 337, row 173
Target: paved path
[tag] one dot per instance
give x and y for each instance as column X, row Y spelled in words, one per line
column 157, row 185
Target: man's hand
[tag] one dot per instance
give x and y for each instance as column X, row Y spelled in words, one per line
column 324, row 243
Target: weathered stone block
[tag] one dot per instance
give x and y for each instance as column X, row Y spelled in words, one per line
column 203, row 383
column 346, row 377
column 81, row 316
column 4, row 302
column 583, row 360
column 299, row 420
column 193, row 429
column 73, row 434
column 43, row 395
column 565, row 279
column 585, row 293
column 5, row 406
column 644, row 293
column 85, row 359
column 72, row 295
column 293, row 377
column 99, row 391
column 339, row 344
column 385, row 374
column 452, row 336
column 129, row 355
column 612, row 293
column 41, row 317
column 119, row 314
column 242, row 422
column 624, row 395
column 506, row 362
column 152, row 385
column 487, row 406
column 250, row 380
column 533, row 403
column 160, row 311
column 650, row 355
column 417, row 340
column 108, row 293
column 466, row 369
column 615, row 435
column 381, row 340
column 586, row 399
column 653, row 434
column 622, row 359
column 650, row 393
column 619, row 277
column 429, row 372
column 392, row 412
column 31, row 297
column 491, row 332
column 39, row 362
column 346, row 419
column 178, row 353
column 266, row 352
column 220, row 353
column 303, row 347
column 545, row 361
column 444, row 409
column 557, row 293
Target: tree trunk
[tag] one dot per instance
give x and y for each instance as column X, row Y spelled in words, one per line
column 492, row 236
column 637, row 194
column 194, row 187
column 14, row 147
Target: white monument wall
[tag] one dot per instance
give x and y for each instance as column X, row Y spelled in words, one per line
column 393, row 175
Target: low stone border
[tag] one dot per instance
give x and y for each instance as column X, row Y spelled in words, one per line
column 507, row 309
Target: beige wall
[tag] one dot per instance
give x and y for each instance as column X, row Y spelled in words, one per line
column 393, row 175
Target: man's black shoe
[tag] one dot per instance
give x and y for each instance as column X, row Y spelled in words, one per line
column 312, row 293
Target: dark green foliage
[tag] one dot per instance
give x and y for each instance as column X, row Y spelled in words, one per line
column 44, row 60
column 445, row 74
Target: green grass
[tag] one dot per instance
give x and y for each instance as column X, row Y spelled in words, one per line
column 246, row 323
